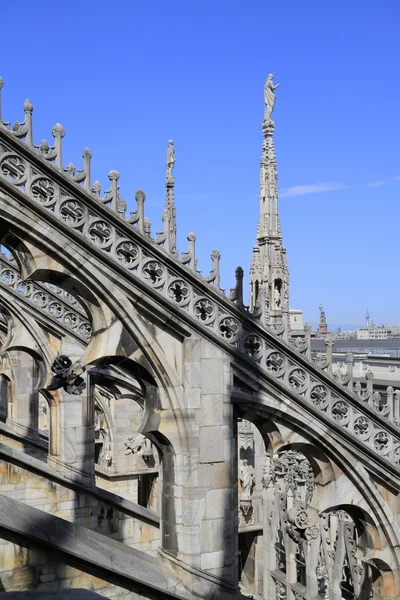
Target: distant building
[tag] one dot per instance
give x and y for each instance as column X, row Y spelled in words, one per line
column 322, row 327
column 373, row 332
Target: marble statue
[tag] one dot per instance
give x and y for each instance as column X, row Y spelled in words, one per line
column 277, row 297
column 247, row 479
column 269, row 96
column 170, row 158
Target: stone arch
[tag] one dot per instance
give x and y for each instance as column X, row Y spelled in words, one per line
column 37, row 256
column 383, row 580
column 373, row 517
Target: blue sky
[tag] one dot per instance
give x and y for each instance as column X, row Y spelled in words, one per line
column 125, row 77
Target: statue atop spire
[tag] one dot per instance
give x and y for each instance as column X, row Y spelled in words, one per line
column 269, row 97
column 170, row 158
column 169, row 210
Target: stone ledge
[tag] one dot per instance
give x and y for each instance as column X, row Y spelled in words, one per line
column 42, row 469
column 84, row 549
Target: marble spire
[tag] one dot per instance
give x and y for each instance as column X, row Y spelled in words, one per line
column 269, row 271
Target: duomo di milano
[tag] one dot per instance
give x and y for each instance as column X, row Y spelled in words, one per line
column 158, row 438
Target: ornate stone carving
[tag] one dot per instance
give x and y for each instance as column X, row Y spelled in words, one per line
column 100, row 233
column 127, row 253
column 275, row 363
column 229, row 328
column 204, row 309
column 362, row 426
column 252, row 345
column 67, row 375
column 246, row 435
column 72, row 212
column 291, row 469
column 319, row 396
column 47, row 299
column 43, row 190
column 381, row 442
column 297, row 379
column 280, row 591
column 153, row 272
column 178, row 291
column 341, row 412
column 140, row 445
column 13, row 167
column 246, row 476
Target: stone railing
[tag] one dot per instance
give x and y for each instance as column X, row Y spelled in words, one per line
column 56, row 304
column 224, row 318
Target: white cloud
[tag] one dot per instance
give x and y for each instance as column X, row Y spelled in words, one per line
column 314, row 188
column 379, row 183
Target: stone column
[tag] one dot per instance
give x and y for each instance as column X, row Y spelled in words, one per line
column 25, row 410
column 76, row 447
column 270, row 526
column 200, row 507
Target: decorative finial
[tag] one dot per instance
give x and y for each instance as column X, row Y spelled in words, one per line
column 96, row 188
column 113, row 175
column 170, row 158
column 1, row 82
column 58, row 131
column 140, row 196
column 147, row 226
column 28, row 106
column 269, row 97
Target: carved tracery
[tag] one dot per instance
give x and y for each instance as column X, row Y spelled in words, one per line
column 313, row 555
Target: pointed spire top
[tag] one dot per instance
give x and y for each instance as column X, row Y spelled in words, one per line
column 1, row 82
column 169, row 226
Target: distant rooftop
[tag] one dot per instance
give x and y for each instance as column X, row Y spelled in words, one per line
column 390, row 347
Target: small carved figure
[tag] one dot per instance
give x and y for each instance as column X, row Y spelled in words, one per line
column 67, row 375
column 277, row 297
column 247, row 480
column 269, row 96
column 170, row 158
column 140, row 445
